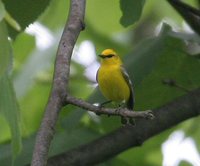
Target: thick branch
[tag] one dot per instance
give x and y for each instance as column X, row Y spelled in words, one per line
column 117, row 112
column 190, row 14
column 99, row 150
column 61, row 77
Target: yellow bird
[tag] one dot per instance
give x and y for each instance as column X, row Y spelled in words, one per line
column 113, row 80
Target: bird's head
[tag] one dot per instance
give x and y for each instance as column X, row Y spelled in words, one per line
column 109, row 56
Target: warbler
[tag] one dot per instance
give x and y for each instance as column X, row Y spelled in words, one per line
column 114, row 81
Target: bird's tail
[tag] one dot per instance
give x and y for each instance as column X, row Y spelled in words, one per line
column 130, row 103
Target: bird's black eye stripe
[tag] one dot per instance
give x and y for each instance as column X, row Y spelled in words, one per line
column 109, row 56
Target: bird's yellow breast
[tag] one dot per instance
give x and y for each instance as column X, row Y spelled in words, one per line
column 112, row 83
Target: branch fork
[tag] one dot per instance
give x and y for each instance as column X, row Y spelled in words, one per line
column 57, row 99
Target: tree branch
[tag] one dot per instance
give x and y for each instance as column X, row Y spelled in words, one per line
column 190, row 14
column 124, row 137
column 60, row 82
column 99, row 150
column 107, row 111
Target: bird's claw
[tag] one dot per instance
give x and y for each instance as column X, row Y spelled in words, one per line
column 149, row 115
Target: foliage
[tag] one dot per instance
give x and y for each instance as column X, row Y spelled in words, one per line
column 152, row 51
column 8, row 102
column 129, row 17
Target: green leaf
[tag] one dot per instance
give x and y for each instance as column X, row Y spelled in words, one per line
column 2, row 11
column 5, row 51
column 8, row 101
column 10, row 109
column 25, row 41
column 173, row 63
column 25, row 12
column 142, row 60
column 132, row 10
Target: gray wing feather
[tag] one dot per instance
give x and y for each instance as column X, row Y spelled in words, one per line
column 130, row 102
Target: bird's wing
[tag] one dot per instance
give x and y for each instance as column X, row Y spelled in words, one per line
column 130, row 102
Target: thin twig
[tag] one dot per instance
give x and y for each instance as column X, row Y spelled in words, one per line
column 172, row 83
column 60, row 82
column 107, row 111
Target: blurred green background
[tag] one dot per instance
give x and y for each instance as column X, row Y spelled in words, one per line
column 155, row 44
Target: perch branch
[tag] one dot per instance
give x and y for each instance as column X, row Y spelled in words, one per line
column 107, row 111
column 60, row 82
column 108, row 146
